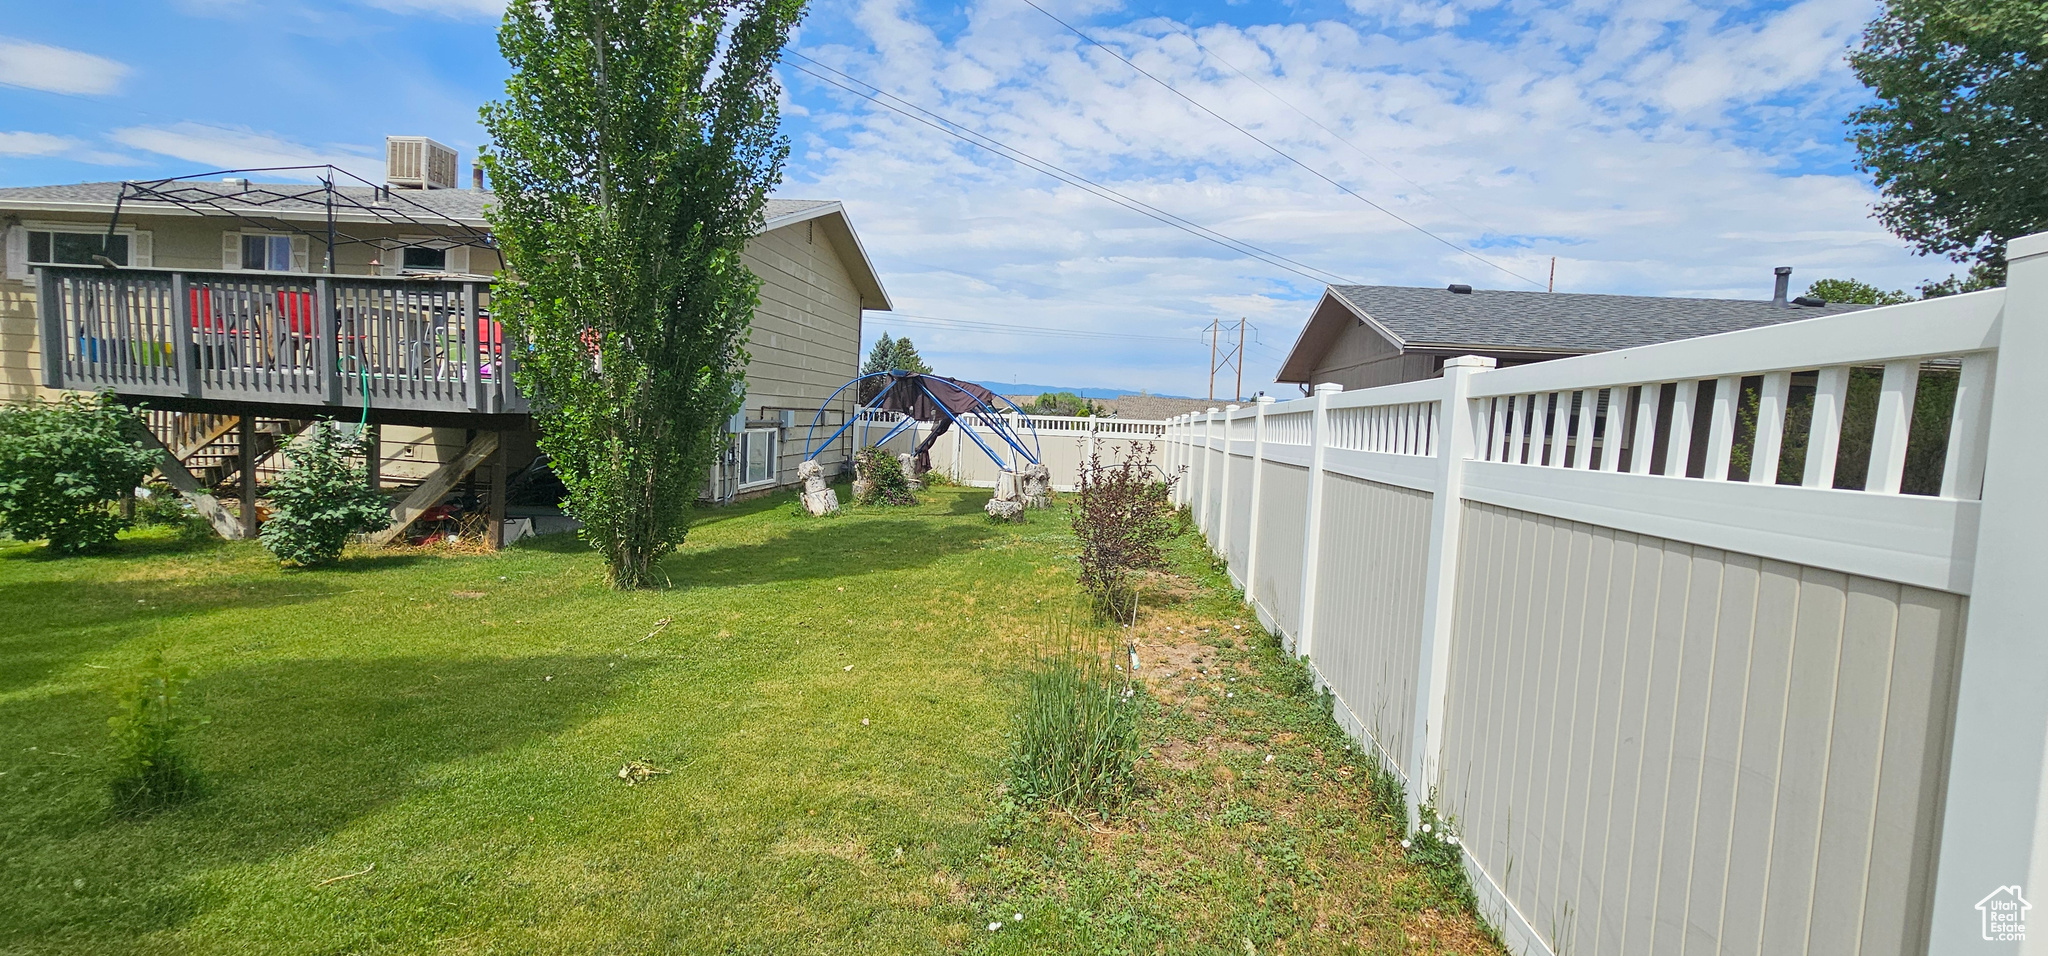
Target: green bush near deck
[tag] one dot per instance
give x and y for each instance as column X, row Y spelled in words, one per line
column 63, row 463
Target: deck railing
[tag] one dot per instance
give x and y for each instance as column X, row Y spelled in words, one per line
column 344, row 341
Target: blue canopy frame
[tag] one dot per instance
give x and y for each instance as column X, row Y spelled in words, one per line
column 978, row 413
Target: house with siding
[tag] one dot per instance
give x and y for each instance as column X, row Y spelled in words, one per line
column 401, row 273
column 1364, row 336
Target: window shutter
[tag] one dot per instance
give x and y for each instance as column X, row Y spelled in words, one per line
column 231, row 250
column 458, row 259
column 141, row 253
column 17, row 252
column 302, row 255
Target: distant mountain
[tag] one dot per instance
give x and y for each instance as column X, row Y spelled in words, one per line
column 1006, row 388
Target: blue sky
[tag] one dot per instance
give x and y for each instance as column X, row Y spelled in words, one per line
column 1652, row 146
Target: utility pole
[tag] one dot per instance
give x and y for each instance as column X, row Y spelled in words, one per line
column 1220, row 359
column 1553, row 274
column 1240, row 358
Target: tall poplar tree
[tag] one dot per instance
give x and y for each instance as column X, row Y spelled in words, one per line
column 631, row 157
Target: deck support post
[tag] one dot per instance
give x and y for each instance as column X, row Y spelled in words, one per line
column 326, row 340
column 431, row 491
column 373, row 454
column 247, row 454
column 50, row 309
column 494, row 510
column 184, row 351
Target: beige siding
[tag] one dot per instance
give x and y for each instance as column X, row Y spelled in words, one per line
column 806, row 335
column 1369, row 603
column 1663, row 748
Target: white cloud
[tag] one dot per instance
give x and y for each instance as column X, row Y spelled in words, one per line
column 1652, row 147
column 232, row 148
column 19, row 143
column 57, row 70
column 35, row 144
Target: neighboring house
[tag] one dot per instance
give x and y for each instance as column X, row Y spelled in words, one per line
column 254, row 255
column 1362, row 336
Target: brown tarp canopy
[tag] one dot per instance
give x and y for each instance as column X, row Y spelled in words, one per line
column 935, row 398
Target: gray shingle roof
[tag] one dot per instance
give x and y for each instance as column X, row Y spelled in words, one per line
column 1489, row 319
column 463, row 205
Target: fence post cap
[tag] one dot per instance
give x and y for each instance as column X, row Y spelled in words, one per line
column 1470, row 361
column 1229, row 408
column 1213, row 409
column 1328, row 388
column 1267, row 399
column 2021, row 247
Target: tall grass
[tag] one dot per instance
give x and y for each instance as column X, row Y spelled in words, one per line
column 1076, row 735
column 152, row 769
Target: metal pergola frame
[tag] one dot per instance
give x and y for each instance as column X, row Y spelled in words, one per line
column 981, row 414
column 389, row 207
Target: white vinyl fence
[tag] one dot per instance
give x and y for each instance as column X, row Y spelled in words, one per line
column 1061, row 443
column 1722, row 645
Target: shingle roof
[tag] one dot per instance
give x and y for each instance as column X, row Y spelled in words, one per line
column 1487, row 320
column 1558, row 321
column 463, row 205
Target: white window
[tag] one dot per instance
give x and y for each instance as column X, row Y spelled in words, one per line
column 758, row 453
column 263, row 252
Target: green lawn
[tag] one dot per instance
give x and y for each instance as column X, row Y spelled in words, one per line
column 831, row 696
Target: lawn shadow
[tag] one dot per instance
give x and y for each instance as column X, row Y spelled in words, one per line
column 827, row 548
column 295, row 751
column 42, row 635
column 970, row 501
column 559, row 542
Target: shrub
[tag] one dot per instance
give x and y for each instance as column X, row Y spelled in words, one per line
column 152, row 769
column 1123, row 516
column 63, row 463
column 321, row 499
column 1076, row 736
column 885, row 481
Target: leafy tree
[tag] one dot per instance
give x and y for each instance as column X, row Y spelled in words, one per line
column 62, row 463
column 322, row 498
column 1062, row 403
column 888, row 355
column 1958, row 138
column 633, row 152
column 1850, row 290
column 1983, row 275
column 907, row 358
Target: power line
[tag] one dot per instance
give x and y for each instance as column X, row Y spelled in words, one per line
column 922, row 115
column 1339, row 137
column 1283, row 154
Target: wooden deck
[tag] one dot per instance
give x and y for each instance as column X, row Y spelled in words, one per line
column 196, row 339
